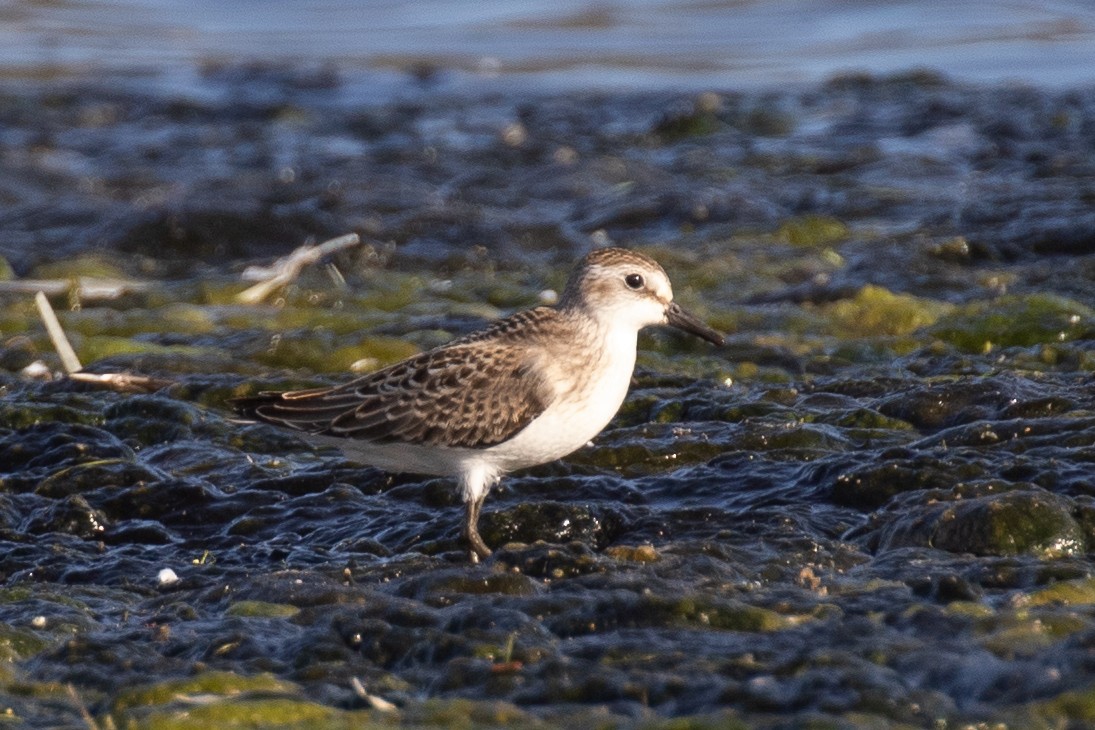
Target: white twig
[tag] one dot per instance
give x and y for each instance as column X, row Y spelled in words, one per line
column 123, row 382
column 285, row 270
column 87, row 288
column 377, row 703
column 64, row 349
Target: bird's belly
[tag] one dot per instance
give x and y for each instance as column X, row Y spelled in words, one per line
column 400, row 457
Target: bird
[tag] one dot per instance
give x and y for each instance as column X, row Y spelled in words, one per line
column 527, row 389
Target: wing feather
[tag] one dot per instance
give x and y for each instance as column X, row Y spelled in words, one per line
column 475, row 392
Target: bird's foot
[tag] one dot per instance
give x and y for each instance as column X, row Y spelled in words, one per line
column 478, row 549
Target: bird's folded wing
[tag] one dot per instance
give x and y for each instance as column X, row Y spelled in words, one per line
column 461, row 396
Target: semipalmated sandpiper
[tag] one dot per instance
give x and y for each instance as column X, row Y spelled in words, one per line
column 528, row 389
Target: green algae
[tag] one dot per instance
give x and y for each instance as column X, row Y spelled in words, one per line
column 344, row 320
column 1079, row 592
column 1065, row 710
column 866, row 419
column 176, row 317
column 18, row 643
column 312, row 353
column 468, row 714
column 727, row 615
column 1018, row 522
column 19, row 415
column 100, row 347
column 1014, row 321
column 720, row 720
column 216, row 683
column 812, row 231
column 878, row 312
column 631, row 454
column 250, row 713
column 101, row 266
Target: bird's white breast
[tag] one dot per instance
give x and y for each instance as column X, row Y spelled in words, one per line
column 588, row 395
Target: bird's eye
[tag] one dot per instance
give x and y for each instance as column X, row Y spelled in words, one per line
column 634, row 281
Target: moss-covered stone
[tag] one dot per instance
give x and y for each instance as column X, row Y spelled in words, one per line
column 812, row 231
column 1075, row 708
column 17, row 644
column 875, row 311
column 315, row 354
column 1014, row 321
column 104, row 266
column 1080, row 592
column 872, row 485
column 1022, row 522
column 100, row 347
column 218, row 683
column 272, row 712
column 728, row 615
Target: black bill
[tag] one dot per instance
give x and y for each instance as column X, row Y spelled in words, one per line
column 682, row 320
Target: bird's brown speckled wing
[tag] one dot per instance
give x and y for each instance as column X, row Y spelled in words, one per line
column 474, row 392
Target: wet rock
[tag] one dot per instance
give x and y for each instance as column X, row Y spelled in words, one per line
column 553, row 522
column 153, row 419
column 946, row 404
column 71, row 516
column 550, row 561
column 56, row 445
column 873, row 485
column 88, row 477
column 17, row 353
column 947, row 588
column 1019, row 522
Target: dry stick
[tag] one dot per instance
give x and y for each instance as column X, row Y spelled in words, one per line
column 89, row 288
column 81, row 708
column 64, row 349
column 121, row 382
column 287, row 269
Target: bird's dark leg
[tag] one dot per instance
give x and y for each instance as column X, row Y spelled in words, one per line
column 479, row 548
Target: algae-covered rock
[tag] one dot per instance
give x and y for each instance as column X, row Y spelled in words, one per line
column 257, row 712
column 727, row 615
column 18, row 643
column 875, row 311
column 89, row 476
column 71, row 516
column 873, row 485
column 218, row 683
column 812, row 231
column 553, row 522
column 104, row 266
column 1014, row 321
column 1079, row 592
column 932, row 405
column 316, row 354
column 1021, row 522
column 1072, row 709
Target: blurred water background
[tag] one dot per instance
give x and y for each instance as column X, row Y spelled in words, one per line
column 559, row 45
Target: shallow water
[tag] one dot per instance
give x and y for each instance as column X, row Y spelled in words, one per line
column 872, row 507
column 569, row 45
